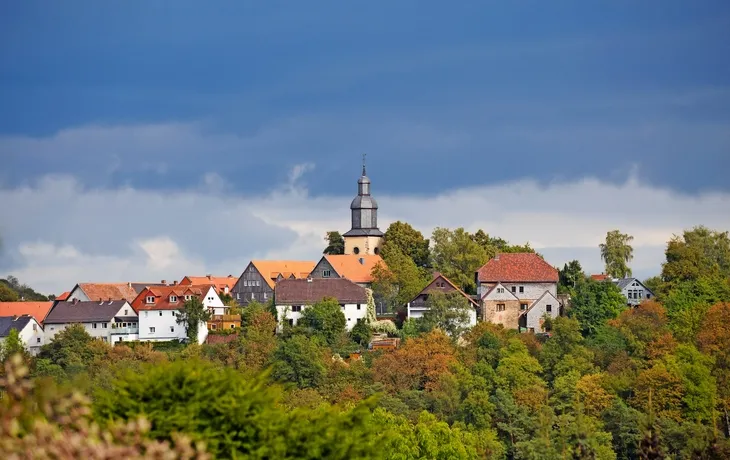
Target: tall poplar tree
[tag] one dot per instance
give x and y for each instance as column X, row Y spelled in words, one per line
column 617, row 252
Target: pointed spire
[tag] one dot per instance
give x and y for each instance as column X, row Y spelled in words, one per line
column 363, row 164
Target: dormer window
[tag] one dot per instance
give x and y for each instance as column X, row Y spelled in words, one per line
column 188, row 297
column 173, row 298
column 150, row 299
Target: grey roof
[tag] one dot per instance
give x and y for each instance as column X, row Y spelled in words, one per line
column 84, row 312
column 307, row 292
column 364, row 232
column 8, row 323
column 126, row 319
column 623, row 282
column 364, row 202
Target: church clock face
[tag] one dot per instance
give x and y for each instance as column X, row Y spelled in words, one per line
column 356, row 250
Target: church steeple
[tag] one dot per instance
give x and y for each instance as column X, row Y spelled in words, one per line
column 364, row 216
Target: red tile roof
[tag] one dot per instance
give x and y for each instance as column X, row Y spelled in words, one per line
column 600, row 277
column 517, row 267
column 63, row 296
column 162, row 296
column 37, row 310
column 220, row 282
column 106, row 291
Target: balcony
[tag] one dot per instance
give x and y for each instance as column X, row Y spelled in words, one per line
column 124, row 330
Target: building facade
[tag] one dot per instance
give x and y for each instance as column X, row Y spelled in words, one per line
column 260, row 276
column 109, row 321
column 634, row 291
column 292, row 297
column 418, row 305
column 29, row 330
column 356, row 268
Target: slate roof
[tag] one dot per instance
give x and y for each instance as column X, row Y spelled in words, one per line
column 270, row 269
column 8, row 323
column 357, row 268
column 220, row 282
column 84, row 312
column 37, row 310
column 162, row 296
column 307, row 292
column 623, row 282
column 518, row 267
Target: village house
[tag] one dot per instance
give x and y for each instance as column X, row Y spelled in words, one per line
column 356, row 268
column 292, row 297
column 29, row 330
column 38, row 310
column 219, row 322
column 108, row 320
column 634, row 290
column 159, row 306
column 418, row 306
column 223, row 284
column 260, row 276
column 104, row 291
column 514, row 285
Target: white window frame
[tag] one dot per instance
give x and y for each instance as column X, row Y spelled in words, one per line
column 149, row 299
column 173, row 298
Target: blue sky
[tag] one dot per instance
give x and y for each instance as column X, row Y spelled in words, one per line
column 249, row 99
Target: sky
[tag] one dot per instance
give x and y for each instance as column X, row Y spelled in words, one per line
column 148, row 140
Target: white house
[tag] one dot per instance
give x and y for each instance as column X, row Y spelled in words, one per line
column 418, row 306
column 159, row 306
column 533, row 318
column 110, row 321
column 292, row 296
column 29, row 331
column 634, row 290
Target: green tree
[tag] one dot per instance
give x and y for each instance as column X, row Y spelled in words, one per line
column 7, row 294
column 699, row 252
column 410, row 242
column 398, row 280
column 191, row 315
column 72, row 349
column 300, row 359
column 335, row 244
column 236, row 416
column 595, row 303
column 570, row 276
column 12, row 345
column 617, row 252
column 449, row 312
column 361, row 333
column 457, row 256
column 257, row 340
column 324, row 318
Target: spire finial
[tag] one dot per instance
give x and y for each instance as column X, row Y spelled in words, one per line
column 363, row 164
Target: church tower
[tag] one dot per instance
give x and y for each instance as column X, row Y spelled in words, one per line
column 364, row 237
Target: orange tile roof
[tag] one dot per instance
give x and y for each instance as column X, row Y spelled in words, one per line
column 600, row 277
column 356, row 268
column 38, row 310
column 105, row 291
column 517, row 267
column 270, row 269
column 162, row 296
column 63, row 296
column 220, row 282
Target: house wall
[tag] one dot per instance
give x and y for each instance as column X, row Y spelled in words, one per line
column 638, row 292
column 260, row 291
column 368, row 245
column 532, row 291
column 534, row 317
column 509, row 318
column 322, row 266
column 352, row 312
column 99, row 330
column 33, row 337
column 77, row 293
column 165, row 326
column 213, row 301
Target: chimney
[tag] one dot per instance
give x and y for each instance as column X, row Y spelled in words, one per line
column 174, row 283
column 129, row 285
column 163, row 281
column 209, row 276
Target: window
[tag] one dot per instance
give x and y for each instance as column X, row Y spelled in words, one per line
column 648, row 296
column 522, row 289
column 38, row 340
column 356, row 250
column 500, row 307
column 548, row 308
column 150, row 299
column 225, row 290
column 291, row 322
column 94, row 325
column 238, row 296
column 500, row 290
column 103, row 339
column 172, row 329
column 173, row 312
column 173, row 298
column 160, row 312
column 53, row 328
column 126, row 312
column 296, row 308
column 514, row 288
column 104, row 325
column 35, row 328
column 348, row 320
column 266, row 295
column 152, row 330
column 146, row 313
column 189, row 297
column 358, row 306
column 212, row 326
column 326, row 273
column 523, row 306
column 342, row 305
